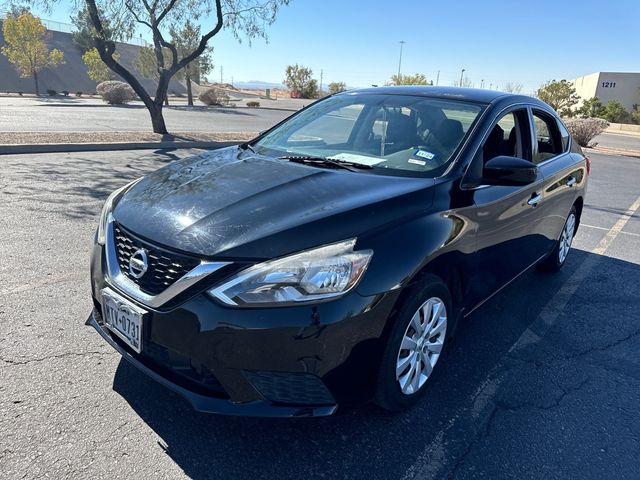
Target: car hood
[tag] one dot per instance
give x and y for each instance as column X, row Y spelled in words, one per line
column 230, row 203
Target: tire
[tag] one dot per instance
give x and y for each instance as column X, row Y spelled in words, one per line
column 558, row 256
column 408, row 351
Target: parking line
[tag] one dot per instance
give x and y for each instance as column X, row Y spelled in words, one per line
column 605, row 228
column 616, row 229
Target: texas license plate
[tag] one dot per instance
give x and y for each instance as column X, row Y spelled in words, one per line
column 123, row 318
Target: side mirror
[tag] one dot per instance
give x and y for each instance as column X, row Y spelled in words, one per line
column 505, row 170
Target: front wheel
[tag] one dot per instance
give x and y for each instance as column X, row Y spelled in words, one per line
column 415, row 345
column 558, row 256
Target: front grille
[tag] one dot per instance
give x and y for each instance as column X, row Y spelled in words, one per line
column 164, row 269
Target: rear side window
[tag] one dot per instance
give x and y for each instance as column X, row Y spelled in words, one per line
column 547, row 134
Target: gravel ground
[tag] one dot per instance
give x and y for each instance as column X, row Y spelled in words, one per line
column 29, row 138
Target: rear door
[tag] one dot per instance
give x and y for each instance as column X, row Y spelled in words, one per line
column 562, row 174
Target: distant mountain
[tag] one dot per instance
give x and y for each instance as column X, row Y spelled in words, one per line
column 258, row 85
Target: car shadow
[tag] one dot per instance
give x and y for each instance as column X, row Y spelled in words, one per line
column 368, row 442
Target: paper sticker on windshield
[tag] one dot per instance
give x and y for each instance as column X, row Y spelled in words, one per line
column 417, row 162
column 362, row 159
column 424, row 154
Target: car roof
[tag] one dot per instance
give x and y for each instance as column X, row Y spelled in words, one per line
column 457, row 93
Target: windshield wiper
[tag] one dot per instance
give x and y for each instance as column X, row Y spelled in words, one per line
column 247, row 146
column 327, row 162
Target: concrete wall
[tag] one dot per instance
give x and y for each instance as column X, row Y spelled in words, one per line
column 71, row 76
column 586, row 86
column 607, row 86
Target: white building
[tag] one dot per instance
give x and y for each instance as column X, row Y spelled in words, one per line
column 623, row 87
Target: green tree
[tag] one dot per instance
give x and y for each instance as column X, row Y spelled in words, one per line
column 417, row 79
column 615, row 112
column 84, row 31
column 635, row 114
column 300, row 81
column 592, row 108
column 147, row 64
column 16, row 9
column 26, row 47
column 337, row 87
column 96, row 68
column 561, row 96
column 186, row 40
column 243, row 18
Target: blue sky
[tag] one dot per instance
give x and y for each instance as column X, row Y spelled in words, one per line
column 493, row 40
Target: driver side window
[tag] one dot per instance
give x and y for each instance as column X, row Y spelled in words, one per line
column 509, row 136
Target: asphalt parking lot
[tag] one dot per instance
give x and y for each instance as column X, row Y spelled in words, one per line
column 541, row 382
column 91, row 115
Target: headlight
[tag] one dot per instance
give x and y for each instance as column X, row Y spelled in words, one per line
column 106, row 210
column 317, row 274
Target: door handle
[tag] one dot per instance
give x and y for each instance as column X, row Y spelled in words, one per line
column 535, row 199
column 571, row 181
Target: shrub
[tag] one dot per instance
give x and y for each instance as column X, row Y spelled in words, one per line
column 115, row 93
column 20, row 93
column 214, row 96
column 78, row 94
column 52, row 93
column 614, row 112
column 584, row 129
column 253, row 104
column 65, row 93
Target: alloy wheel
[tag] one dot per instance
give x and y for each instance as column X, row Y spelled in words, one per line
column 567, row 237
column 421, row 345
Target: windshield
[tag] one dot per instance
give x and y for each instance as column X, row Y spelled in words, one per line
column 399, row 133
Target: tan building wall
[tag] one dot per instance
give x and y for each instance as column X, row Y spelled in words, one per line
column 607, row 86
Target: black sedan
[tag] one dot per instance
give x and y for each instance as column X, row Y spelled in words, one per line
column 329, row 261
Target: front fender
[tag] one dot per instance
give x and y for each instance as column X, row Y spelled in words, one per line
column 400, row 253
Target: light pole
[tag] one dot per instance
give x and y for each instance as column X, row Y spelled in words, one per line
column 461, row 74
column 402, row 42
column 482, row 83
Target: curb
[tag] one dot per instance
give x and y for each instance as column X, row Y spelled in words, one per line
column 624, row 133
column 99, row 147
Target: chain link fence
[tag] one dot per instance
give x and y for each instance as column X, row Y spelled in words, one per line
column 56, row 26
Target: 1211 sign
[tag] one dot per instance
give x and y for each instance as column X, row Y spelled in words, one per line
column 609, row 84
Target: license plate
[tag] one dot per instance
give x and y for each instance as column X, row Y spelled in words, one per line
column 123, row 318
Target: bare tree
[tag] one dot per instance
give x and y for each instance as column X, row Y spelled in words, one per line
column 245, row 18
column 513, row 87
column 466, row 83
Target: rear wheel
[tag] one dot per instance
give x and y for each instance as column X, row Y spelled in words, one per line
column 558, row 256
column 416, row 344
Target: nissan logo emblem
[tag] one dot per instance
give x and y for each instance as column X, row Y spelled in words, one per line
column 138, row 263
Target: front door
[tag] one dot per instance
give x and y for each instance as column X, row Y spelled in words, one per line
column 507, row 217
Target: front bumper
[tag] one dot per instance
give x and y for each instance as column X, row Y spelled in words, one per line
column 284, row 362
